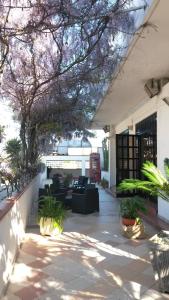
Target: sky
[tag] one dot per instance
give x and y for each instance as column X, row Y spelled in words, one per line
column 97, row 141
column 12, row 127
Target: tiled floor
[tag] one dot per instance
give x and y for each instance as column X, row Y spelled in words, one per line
column 90, row 260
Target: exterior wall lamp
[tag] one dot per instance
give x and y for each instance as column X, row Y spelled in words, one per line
column 166, row 101
column 106, row 128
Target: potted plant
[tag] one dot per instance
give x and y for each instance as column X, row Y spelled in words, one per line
column 155, row 185
column 131, row 221
column 51, row 215
column 129, row 210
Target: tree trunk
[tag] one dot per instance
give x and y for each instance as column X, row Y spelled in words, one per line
column 24, row 143
column 32, row 146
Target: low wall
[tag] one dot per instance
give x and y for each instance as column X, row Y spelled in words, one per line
column 13, row 219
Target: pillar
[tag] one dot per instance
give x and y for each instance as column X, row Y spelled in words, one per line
column 83, row 167
column 112, row 157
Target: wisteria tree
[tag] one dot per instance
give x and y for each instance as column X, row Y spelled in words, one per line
column 56, row 57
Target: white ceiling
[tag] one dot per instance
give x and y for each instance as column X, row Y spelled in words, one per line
column 148, row 57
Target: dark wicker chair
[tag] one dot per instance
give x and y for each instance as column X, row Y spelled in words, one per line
column 82, row 182
column 86, row 202
column 43, row 192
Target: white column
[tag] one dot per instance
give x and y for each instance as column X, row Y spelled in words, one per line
column 83, row 167
column 112, row 156
column 162, row 150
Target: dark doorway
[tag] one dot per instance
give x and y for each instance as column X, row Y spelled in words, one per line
column 133, row 150
column 147, row 129
column 147, row 126
column 127, row 157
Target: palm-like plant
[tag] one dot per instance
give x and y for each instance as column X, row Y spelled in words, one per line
column 53, row 210
column 156, row 184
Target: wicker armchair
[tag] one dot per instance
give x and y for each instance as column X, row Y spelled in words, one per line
column 86, row 202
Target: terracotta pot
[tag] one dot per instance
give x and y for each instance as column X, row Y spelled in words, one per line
column 128, row 222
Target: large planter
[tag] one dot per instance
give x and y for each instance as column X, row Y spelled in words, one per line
column 128, row 222
column 159, row 255
column 135, row 231
column 49, row 227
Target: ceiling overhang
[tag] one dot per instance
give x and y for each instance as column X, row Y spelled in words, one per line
column 147, row 57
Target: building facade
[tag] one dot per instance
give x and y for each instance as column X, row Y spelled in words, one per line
column 136, row 106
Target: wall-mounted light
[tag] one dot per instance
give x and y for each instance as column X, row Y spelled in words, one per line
column 154, row 86
column 130, row 127
column 166, row 101
column 106, row 128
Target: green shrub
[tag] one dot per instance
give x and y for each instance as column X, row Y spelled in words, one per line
column 50, row 208
column 129, row 207
column 155, row 185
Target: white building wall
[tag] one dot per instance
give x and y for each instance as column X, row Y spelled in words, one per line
column 83, row 161
column 143, row 112
column 112, row 157
column 155, row 104
column 163, row 144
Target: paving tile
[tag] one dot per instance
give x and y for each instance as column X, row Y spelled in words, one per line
column 28, row 274
column 154, row 295
column 34, row 250
column 50, row 285
column 21, row 274
column 102, row 287
column 135, row 243
column 10, row 296
column 149, row 271
column 119, row 294
column 90, row 260
column 112, row 243
column 15, row 287
column 29, row 293
column 144, row 279
column 37, row 276
column 134, row 289
column 25, row 257
column 50, row 296
column 39, row 263
column 61, row 275
column 79, row 283
column 136, row 265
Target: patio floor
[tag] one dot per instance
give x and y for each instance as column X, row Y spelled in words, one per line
column 90, row 260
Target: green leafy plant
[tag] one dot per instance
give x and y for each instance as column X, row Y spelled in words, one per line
column 130, row 207
column 13, row 150
column 155, row 185
column 51, row 209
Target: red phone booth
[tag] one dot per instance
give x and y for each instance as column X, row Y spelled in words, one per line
column 95, row 172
